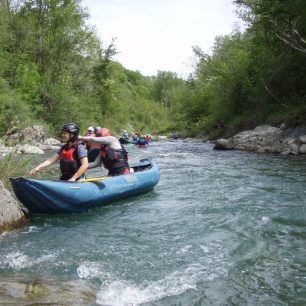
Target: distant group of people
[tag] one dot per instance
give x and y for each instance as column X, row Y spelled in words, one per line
column 80, row 153
column 140, row 140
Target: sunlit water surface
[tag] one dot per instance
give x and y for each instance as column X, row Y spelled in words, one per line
column 220, row 228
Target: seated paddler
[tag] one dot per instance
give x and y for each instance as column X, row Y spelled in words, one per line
column 113, row 155
column 72, row 155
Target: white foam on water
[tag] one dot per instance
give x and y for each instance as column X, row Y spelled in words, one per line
column 124, row 293
column 265, row 219
column 44, row 258
column 205, row 248
column 18, row 260
column 3, row 234
column 185, row 249
column 89, row 270
column 33, row 229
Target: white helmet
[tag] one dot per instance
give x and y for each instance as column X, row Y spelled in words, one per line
column 90, row 129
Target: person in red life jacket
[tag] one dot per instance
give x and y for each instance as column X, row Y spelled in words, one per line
column 141, row 142
column 93, row 148
column 148, row 138
column 113, row 155
column 72, row 155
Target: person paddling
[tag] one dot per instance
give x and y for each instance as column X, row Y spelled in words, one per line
column 113, row 155
column 72, row 155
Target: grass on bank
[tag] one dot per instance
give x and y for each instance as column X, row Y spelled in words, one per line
column 12, row 165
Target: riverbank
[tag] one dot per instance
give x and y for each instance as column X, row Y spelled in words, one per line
column 267, row 139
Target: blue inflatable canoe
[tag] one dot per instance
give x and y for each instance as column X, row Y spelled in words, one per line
column 51, row 196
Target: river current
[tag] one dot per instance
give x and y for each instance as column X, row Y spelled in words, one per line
column 220, row 228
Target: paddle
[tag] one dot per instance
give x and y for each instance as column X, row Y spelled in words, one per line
column 95, row 179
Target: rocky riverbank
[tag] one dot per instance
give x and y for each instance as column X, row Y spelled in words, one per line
column 267, row 139
column 32, row 140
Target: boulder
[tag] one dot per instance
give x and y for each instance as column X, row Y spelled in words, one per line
column 261, row 137
column 29, row 149
column 30, row 135
column 33, row 135
column 267, row 139
column 11, row 214
column 302, row 138
column 51, row 142
column 302, row 149
column 224, row 144
column 30, row 141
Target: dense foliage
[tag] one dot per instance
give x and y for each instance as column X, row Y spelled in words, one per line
column 53, row 69
column 252, row 77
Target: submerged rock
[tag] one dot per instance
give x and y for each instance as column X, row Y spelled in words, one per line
column 22, row 289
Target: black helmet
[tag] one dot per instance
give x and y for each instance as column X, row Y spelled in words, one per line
column 73, row 129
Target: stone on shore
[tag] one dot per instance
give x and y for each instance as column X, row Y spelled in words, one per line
column 29, row 141
column 267, row 139
column 11, row 215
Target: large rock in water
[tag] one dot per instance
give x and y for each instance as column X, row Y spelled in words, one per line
column 11, row 214
column 267, row 138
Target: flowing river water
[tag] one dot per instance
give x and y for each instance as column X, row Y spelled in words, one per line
column 220, row 228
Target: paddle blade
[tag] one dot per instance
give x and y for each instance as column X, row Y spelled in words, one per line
column 95, row 179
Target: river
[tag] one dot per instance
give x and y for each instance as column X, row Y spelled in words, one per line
column 220, row 228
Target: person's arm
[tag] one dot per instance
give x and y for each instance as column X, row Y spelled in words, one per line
column 81, row 170
column 95, row 163
column 102, row 140
column 46, row 163
column 111, row 141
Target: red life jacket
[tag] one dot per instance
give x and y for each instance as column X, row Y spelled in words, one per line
column 69, row 161
column 115, row 161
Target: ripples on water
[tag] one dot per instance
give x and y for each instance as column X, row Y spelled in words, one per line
column 221, row 228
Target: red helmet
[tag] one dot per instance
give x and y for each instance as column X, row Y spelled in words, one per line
column 103, row 132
